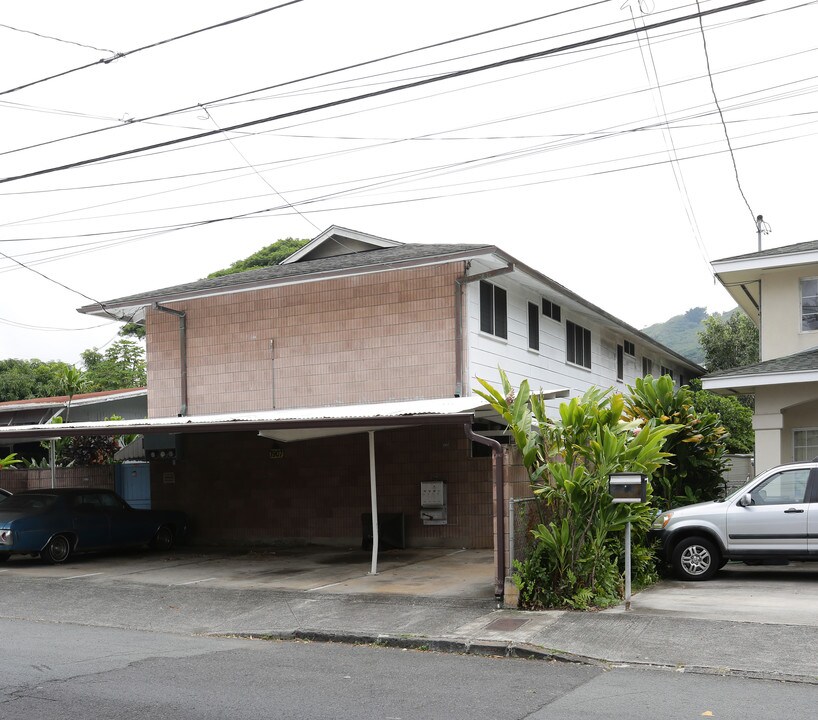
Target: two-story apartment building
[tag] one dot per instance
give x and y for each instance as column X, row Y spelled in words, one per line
column 296, row 399
column 778, row 289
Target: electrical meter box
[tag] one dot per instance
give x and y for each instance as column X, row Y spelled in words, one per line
column 433, row 502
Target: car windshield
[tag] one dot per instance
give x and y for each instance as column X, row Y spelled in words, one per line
column 29, row 502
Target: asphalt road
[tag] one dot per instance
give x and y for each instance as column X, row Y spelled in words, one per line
column 58, row 670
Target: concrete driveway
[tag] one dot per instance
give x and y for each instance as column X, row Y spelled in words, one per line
column 770, row 594
column 438, row 572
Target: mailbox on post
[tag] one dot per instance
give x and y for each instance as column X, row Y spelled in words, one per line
column 628, row 487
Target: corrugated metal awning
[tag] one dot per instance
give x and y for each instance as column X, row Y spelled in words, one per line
column 352, row 418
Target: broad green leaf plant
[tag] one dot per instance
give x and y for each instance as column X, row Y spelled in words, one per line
column 575, row 562
column 698, row 442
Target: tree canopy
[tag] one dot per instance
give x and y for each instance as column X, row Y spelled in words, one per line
column 267, row 256
column 26, row 379
column 121, row 366
column 729, row 343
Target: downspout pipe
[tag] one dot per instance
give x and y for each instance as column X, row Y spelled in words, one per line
column 182, row 352
column 459, row 284
column 499, row 496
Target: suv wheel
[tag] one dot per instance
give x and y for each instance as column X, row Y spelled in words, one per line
column 695, row 558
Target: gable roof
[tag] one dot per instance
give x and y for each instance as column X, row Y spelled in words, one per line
column 797, row 368
column 376, row 260
column 336, row 240
column 337, row 257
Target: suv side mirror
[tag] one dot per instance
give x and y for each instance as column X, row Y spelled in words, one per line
column 745, row 500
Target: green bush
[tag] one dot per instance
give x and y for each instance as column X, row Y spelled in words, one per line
column 576, row 560
column 698, row 443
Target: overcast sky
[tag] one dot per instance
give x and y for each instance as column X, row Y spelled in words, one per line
column 566, row 161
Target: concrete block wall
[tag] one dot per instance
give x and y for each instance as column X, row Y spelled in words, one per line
column 369, row 338
column 316, row 493
column 96, row 476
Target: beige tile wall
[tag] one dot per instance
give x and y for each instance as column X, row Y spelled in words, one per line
column 369, row 338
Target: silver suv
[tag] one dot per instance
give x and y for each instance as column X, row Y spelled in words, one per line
column 774, row 517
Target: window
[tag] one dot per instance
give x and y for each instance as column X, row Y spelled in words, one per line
column 805, row 444
column 578, row 344
column 493, row 318
column 630, row 348
column 666, row 371
column 783, row 488
column 551, row 310
column 533, row 326
column 620, row 362
column 647, row 367
column 809, row 304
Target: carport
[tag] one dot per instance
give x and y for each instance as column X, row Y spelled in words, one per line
column 302, row 424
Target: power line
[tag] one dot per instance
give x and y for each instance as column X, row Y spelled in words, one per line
column 385, row 91
column 310, row 77
column 51, row 37
column 721, row 116
column 118, row 56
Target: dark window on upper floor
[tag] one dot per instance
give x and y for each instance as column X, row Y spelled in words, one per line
column 667, row 371
column 551, row 310
column 533, row 326
column 647, row 366
column 577, row 344
column 630, row 348
column 493, row 317
column 620, row 362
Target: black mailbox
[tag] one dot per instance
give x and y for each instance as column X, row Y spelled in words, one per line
column 627, row 487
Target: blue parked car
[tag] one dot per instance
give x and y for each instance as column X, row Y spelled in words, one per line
column 55, row 524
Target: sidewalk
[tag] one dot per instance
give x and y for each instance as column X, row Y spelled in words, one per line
column 640, row 636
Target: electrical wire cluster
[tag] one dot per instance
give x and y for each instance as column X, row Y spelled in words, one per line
column 302, row 146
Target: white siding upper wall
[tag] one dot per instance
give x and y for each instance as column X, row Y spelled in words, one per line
column 548, row 367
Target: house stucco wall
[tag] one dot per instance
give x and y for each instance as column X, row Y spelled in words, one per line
column 368, row 338
column 781, row 333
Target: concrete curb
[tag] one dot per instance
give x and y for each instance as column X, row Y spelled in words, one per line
column 510, row 649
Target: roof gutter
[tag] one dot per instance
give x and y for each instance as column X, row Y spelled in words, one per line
column 499, row 505
column 458, row 318
column 182, row 352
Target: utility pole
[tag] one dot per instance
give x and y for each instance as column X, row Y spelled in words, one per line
column 762, row 228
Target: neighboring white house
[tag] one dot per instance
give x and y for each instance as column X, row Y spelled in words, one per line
column 778, row 289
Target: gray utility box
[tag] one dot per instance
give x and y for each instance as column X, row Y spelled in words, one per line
column 433, row 510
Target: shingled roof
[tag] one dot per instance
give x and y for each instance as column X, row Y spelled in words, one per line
column 380, row 258
column 805, row 361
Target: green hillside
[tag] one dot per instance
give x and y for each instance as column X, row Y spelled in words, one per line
column 681, row 332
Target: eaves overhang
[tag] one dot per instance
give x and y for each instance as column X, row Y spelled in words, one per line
column 747, row 383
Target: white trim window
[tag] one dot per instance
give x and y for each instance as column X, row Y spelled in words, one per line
column 647, row 366
column 493, row 312
column 551, row 310
column 577, row 344
column 809, row 304
column 620, row 363
column 804, row 444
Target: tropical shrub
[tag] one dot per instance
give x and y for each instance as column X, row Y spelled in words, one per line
column 698, row 443
column 576, row 561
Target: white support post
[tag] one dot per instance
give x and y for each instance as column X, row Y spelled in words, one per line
column 373, row 490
